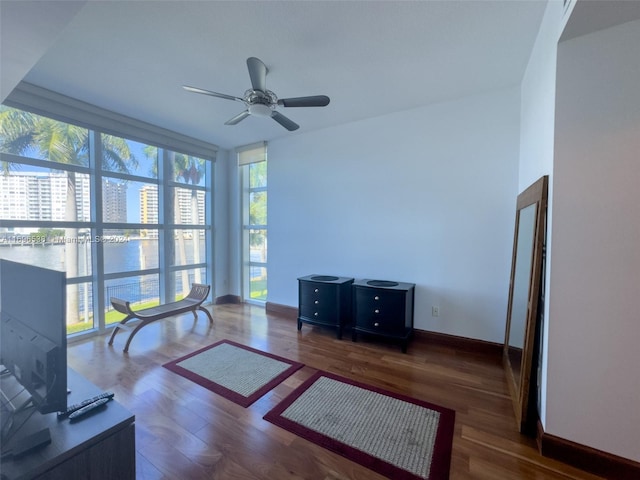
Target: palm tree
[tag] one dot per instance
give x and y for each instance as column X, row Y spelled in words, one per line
column 23, row 133
column 17, row 129
column 190, row 170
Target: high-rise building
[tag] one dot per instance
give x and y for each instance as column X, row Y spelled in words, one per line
column 42, row 196
column 114, row 204
column 149, row 209
column 186, row 214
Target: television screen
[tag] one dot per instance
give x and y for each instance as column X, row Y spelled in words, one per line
column 33, row 332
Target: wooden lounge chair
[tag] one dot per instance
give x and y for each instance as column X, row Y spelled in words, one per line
column 190, row 303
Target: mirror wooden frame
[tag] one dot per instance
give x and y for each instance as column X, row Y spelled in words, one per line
column 519, row 376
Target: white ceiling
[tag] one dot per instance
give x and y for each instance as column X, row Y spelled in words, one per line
column 369, row 57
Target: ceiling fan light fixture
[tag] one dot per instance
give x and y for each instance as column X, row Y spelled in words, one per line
column 261, row 102
column 260, row 110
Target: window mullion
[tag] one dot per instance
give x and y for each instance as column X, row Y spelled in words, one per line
column 165, row 217
column 97, row 249
column 254, row 271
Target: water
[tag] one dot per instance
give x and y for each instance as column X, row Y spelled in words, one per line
column 127, row 256
column 118, row 257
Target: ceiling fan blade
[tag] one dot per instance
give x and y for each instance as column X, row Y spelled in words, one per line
column 313, row 101
column 284, row 121
column 209, row 92
column 258, row 73
column 237, row 118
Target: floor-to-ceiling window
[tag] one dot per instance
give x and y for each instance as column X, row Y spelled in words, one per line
column 252, row 161
column 188, row 236
column 122, row 218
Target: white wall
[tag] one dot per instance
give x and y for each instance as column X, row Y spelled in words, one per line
column 23, row 47
column 593, row 387
column 424, row 196
column 537, row 128
column 222, row 216
column 538, row 101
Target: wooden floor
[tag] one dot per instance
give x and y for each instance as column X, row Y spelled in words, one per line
column 184, row 431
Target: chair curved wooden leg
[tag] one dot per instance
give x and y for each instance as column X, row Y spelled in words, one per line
column 135, row 330
column 208, row 314
column 116, row 329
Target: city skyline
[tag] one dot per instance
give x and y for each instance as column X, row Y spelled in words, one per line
column 41, row 196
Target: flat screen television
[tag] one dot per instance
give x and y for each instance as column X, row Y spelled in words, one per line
column 33, row 337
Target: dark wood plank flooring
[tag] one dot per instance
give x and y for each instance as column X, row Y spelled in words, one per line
column 184, row 431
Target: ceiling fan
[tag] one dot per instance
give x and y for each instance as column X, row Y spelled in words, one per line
column 262, row 102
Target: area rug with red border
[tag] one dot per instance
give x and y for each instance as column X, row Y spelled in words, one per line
column 239, row 373
column 394, row 435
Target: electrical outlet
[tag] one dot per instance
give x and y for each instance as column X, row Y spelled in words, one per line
column 435, row 311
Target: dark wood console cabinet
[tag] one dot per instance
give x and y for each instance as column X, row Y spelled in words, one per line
column 325, row 301
column 100, row 446
column 383, row 308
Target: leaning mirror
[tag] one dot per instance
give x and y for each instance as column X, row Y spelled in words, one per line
column 524, row 296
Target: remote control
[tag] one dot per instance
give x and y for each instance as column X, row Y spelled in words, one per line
column 88, row 408
column 77, row 406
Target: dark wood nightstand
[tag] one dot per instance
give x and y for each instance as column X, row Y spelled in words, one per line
column 324, row 300
column 383, row 308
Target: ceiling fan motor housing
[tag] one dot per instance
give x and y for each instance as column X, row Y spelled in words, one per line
column 258, row 96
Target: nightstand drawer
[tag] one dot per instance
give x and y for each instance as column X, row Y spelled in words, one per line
column 310, row 292
column 318, row 302
column 383, row 324
column 380, row 302
column 326, row 314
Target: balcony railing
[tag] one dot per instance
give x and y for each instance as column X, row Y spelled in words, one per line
column 133, row 292
column 139, row 292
